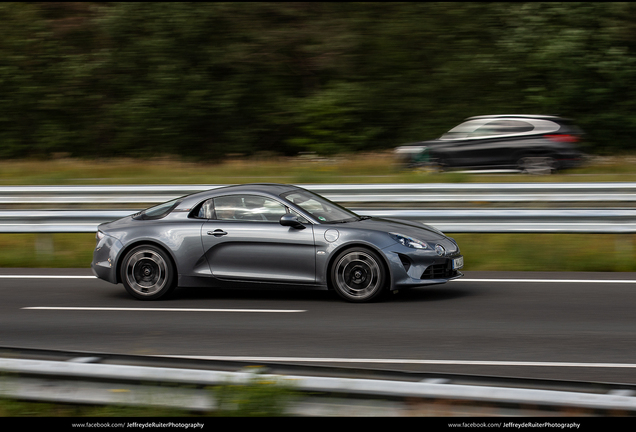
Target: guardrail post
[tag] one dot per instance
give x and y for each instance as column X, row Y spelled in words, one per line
column 624, row 244
column 44, row 245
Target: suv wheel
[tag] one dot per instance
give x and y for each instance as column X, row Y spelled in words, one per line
column 537, row 165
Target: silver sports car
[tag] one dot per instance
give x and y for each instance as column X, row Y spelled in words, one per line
column 270, row 235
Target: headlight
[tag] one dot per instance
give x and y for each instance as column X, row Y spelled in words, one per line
column 99, row 235
column 408, row 241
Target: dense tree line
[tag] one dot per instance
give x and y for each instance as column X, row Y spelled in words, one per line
column 204, row 80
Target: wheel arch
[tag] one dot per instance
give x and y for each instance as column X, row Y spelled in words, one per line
column 539, row 149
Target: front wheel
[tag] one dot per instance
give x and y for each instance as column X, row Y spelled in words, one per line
column 357, row 275
column 147, row 273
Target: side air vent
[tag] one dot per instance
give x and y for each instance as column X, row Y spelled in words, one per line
column 406, row 262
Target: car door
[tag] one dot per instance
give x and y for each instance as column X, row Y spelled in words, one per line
column 500, row 140
column 484, row 142
column 244, row 241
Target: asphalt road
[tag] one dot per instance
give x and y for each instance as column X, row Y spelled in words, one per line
column 572, row 326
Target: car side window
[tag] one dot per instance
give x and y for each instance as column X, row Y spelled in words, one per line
column 503, row 127
column 248, row 208
column 206, row 211
column 484, row 128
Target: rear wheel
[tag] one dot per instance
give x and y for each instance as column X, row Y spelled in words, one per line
column 358, row 275
column 147, row 273
column 436, row 165
column 537, row 164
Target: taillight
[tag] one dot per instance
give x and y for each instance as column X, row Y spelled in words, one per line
column 562, row 138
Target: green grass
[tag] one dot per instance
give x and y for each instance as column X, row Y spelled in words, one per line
column 261, row 398
column 497, row 252
column 19, row 408
column 358, row 168
column 548, row 252
column 46, row 250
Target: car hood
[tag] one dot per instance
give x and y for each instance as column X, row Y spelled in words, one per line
column 416, row 230
column 116, row 224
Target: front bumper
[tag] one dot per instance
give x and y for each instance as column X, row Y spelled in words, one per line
column 410, row 270
column 104, row 259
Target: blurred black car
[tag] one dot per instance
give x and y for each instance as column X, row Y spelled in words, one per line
column 529, row 143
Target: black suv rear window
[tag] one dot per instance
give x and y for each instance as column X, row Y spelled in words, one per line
column 503, row 127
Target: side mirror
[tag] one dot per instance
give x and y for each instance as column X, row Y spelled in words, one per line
column 291, row 221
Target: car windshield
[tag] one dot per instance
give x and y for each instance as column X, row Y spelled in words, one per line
column 160, row 210
column 320, row 208
column 464, row 130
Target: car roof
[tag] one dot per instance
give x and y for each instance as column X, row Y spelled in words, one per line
column 534, row 116
column 272, row 189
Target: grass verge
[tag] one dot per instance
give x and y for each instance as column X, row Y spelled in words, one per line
column 359, row 168
column 19, row 408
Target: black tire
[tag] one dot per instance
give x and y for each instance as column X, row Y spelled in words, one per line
column 147, row 273
column 537, row 165
column 437, row 165
column 358, row 275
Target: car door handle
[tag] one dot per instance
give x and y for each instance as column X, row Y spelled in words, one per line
column 217, row 233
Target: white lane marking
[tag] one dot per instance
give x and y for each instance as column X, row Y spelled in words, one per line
column 411, row 361
column 161, row 309
column 606, row 281
column 45, row 277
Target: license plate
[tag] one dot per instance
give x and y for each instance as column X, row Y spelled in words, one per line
column 458, row 263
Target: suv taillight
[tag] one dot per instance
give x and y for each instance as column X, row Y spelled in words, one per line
column 562, row 138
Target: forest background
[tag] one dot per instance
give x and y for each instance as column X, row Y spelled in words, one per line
column 205, row 80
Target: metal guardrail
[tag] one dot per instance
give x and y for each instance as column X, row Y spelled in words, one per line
column 451, row 221
column 379, row 200
column 612, row 192
column 56, row 221
column 81, row 381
